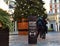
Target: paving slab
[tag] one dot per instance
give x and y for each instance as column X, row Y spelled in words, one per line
column 52, row 39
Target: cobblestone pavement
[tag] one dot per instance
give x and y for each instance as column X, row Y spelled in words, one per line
column 52, row 39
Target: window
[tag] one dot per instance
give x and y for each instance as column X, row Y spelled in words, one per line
column 52, row 26
column 52, row 1
column 53, row 10
column 55, row 1
column 58, row 10
column 57, row 5
column 12, row 4
column 53, row 6
column 59, row 0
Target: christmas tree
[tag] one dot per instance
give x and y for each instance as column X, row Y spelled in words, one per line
column 5, row 19
column 25, row 8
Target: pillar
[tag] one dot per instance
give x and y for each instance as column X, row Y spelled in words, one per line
column 15, row 26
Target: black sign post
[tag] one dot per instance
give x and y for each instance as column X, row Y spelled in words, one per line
column 32, row 34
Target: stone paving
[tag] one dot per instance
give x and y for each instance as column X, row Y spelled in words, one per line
column 52, row 39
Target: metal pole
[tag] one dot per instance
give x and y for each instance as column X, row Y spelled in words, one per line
column 15, row 26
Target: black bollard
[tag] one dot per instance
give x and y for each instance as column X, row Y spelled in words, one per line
column 32, row 33
column 32, row 37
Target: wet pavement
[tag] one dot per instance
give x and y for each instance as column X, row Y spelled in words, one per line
column 52, row 39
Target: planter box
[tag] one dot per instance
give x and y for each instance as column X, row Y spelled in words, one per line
column 23, row 32
column 4, row 37
column 22, row 26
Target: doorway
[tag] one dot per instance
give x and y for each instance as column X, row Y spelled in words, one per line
column 52, row 27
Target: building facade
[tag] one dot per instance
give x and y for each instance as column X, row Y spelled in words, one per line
column 54, row 15
column 11, row 5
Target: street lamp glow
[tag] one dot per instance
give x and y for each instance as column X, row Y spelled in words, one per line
column 3, row 5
